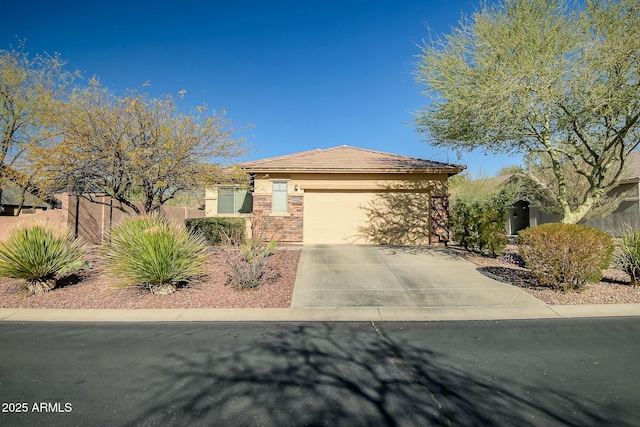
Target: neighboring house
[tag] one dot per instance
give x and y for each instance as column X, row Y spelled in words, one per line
column 341, row 195
column 522, row 215
column 628, row 213
column 11, row 196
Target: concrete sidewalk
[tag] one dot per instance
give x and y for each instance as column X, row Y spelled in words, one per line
column 319, row 314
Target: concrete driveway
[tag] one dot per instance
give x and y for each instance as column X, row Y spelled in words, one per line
column 411, row 277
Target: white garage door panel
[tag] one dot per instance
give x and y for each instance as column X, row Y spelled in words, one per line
column 335, row 217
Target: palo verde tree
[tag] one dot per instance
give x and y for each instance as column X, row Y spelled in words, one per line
column 136, row 148
column 31, row 89
column 551, row 79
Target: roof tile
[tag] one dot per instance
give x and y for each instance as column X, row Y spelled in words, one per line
column 347, row 159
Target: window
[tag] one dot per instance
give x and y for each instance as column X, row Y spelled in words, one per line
column 279, row 197
column 234, row 200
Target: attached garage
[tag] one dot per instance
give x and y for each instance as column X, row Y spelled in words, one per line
column 349, row 195
column 335, row 217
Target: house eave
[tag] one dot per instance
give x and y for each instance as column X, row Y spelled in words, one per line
column 448, row 171
column 628, row 181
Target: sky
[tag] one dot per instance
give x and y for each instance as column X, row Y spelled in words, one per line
column 292, row 75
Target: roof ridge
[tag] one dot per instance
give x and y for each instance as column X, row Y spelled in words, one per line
column 402, row 156
column 285, row 156
column 307, row 152
column 352, row 157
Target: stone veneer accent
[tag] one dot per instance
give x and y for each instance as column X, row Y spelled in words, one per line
column 439, row 220
column 285, row 228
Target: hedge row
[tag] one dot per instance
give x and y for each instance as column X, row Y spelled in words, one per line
column 217, row 231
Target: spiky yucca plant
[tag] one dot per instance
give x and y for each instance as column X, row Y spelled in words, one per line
column 627, row 255
column 155, row 251
column 37, row 253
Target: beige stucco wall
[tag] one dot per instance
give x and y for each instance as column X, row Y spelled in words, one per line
column 355, row 181
column 210, row 202
column 55, row 218
column 297, row 183
column 339, row 208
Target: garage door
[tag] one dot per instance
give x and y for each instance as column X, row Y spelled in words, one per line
column 335, row 217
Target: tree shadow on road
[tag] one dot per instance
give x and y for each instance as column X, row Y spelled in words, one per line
column 318, row 374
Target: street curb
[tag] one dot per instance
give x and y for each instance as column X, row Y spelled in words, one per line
column 334, row 314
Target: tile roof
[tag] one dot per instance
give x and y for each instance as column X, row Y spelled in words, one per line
column 12, row 194
column 346, row 159
column 630, row 173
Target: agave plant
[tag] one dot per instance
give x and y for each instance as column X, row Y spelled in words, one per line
column 627, row 255
column 154, row 251
column 38, row 253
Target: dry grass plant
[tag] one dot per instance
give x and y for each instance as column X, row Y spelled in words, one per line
column 154, row 251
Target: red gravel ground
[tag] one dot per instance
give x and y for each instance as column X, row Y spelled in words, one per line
column 614, row 287
column 91, row 289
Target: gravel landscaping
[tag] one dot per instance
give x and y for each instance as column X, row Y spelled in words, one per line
column 90, row 289
column 612, row 289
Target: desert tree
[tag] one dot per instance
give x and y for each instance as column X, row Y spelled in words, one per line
column 554, row 80
column 31, row 89
column 133, row 147
column 540, row 187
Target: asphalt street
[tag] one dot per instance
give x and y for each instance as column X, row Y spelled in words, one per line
column 523, row 373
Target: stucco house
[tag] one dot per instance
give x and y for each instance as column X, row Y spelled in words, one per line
column 341, row 195
column 626, row 215
column 522, row 214
column 11, row 199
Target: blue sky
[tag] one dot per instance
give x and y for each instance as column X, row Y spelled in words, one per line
column 305, row 74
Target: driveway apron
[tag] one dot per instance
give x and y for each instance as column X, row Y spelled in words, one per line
column 384, row 276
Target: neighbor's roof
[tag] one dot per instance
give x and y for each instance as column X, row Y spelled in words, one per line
column 346, row 159
column 632, row 167
column 12, row 194
column 631, row 172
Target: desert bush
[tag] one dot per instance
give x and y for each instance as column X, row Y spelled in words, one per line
column 39, row 253
column 565, row 256
column 627, row 255
column 480, row 225
column 154, row 251
column 249, row 263
column 217, row 231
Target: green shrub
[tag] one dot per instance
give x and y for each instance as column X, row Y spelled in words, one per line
column 627, row 255
column 37, row 253
column 249, row 263
column 565, row 256
column 218, row 231
column 154, row 251
column 480, row 225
